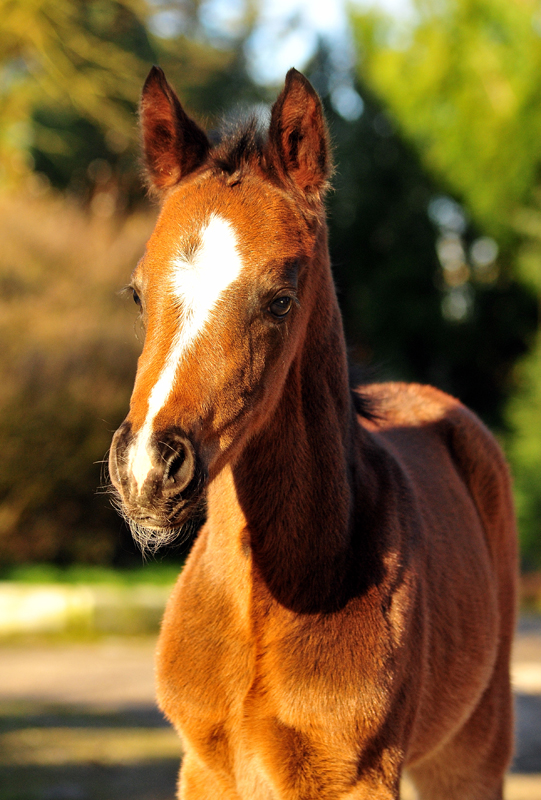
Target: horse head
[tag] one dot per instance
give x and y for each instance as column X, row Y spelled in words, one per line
column 226, row 289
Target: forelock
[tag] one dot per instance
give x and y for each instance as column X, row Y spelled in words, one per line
column 242, row 148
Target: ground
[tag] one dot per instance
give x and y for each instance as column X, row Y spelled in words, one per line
column 78, row 722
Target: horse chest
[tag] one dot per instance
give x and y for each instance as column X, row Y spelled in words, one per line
column 241, row 703
column 240, row 692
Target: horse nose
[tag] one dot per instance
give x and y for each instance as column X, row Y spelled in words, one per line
column 150, row 469
column 176, row 463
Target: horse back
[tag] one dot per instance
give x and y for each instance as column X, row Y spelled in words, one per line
column 462, row 532
column 435, row 437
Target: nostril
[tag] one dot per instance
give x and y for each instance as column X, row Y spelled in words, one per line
column 179, row 467
column 175, row 465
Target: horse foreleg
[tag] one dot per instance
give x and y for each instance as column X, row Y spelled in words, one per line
column 197, row 782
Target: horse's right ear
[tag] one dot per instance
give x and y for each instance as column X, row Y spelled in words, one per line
column 173, row 144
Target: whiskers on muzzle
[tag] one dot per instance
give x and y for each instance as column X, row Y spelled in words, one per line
column 149, row 538
column 157, row 485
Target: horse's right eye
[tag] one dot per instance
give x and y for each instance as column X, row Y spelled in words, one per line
column 136, row 298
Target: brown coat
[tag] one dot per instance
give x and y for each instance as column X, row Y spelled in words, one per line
column 348, row 608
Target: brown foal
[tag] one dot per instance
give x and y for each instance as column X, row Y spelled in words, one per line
column 347, row 610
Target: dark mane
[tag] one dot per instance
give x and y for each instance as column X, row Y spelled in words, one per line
column 240, row 148
column 364, row 404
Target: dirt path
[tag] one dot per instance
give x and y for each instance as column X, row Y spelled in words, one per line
column 79, row 722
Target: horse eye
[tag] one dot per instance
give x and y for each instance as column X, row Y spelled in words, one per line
column 136, row 298
column 281, row 306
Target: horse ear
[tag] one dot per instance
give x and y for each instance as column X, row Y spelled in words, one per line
column 298, row 138
column 173, row 145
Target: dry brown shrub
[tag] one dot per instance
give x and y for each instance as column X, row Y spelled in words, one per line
column 67, row 361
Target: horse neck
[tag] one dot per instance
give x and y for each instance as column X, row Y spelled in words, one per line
column 293, row 483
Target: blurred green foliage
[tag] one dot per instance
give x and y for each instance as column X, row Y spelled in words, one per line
column 462, row 80
column 152, row 574
column 67, row 61
column 71, row 73
column 461, row 329
column 435, row 227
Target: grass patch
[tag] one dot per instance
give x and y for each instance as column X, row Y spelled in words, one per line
column 153, row 574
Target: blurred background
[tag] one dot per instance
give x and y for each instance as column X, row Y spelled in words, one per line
column 435, row 114
column 434, row 108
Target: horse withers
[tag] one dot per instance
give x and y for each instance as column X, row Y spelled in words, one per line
column 347, row 610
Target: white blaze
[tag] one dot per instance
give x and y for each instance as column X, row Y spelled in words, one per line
column 196, row 285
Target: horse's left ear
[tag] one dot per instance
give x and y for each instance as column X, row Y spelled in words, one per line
column 298, row 138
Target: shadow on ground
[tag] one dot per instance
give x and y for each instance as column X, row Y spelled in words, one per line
column 79, row 722
column 58, row 753
column 64, row 753
column 528, row 733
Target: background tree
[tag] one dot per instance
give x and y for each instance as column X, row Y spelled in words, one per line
column 72, row 72
column 429, row 290
column 71, row 60
column 422, row 295
column 462, row 79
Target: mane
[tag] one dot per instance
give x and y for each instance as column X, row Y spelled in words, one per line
column 239, row 149
column 365, row 404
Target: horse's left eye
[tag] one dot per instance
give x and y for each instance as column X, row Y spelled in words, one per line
column 281, row 306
